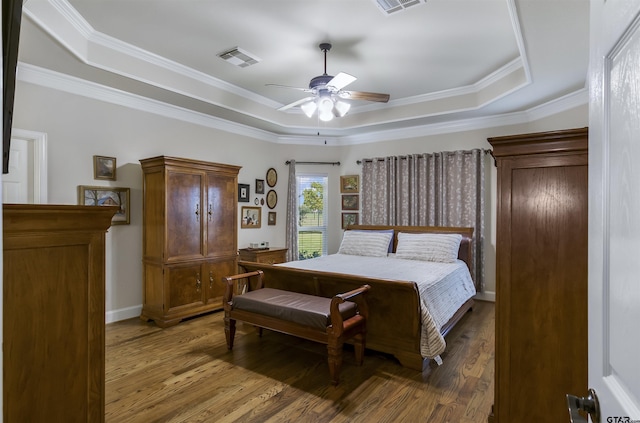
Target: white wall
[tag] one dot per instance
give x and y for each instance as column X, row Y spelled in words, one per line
column 78, row 128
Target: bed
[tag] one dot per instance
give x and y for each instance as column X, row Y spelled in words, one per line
column 414, row 300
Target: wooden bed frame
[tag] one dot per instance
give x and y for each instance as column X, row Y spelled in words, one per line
column 394, row 324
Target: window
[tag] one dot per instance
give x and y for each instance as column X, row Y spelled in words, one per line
column 312, row 213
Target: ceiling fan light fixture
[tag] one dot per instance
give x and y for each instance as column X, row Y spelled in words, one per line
column 309, row 108
column 325, row 105
column 325, row 116
column 342, row 107
column 327, row 91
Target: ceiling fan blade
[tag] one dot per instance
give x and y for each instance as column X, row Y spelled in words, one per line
column 361, row 95
column 295, row 103
column 341, row 80
column 307, row 90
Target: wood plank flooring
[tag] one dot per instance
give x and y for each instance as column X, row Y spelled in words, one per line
column 186, row 374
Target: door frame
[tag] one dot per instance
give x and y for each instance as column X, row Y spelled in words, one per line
column 39, row 140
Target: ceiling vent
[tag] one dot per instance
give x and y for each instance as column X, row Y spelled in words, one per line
column 389, row 7
column 237, row 56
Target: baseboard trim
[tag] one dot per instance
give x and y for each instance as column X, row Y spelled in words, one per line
column 122, row 314
column 485, row 296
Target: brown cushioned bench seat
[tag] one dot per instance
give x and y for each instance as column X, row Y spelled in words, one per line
column 304, row 309
column 331, row 321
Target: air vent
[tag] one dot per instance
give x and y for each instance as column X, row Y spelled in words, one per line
column 389, row 7
column 237, row 56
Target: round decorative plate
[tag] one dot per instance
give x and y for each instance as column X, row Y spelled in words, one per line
column 272, row 177
column 272, row 199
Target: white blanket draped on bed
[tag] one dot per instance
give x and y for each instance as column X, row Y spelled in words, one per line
column 443, row 287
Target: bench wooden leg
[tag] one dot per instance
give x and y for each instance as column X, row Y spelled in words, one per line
column 229, row 331
column 334, row 349
column 359, row 346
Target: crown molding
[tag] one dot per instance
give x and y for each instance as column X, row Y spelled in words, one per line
column 62, row 82
column 69, row 84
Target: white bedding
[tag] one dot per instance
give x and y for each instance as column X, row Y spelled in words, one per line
column 443, row 287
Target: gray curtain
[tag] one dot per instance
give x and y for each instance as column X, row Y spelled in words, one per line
column 292, row 214
column 438, row 189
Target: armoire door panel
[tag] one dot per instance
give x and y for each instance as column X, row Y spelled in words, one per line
column 184, row 286
column 548, row 266
column 221, row 215
column 215, row 272
column 184, row 215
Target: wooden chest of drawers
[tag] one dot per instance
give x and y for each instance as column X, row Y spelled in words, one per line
column 270, row 256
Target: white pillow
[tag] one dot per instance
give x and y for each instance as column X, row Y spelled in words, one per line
column 372, row 244
column 428, row 247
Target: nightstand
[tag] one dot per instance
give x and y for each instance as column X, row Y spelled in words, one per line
column 267, row 256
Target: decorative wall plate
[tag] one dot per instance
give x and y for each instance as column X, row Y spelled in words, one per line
column 272, row 177
column 272, row 199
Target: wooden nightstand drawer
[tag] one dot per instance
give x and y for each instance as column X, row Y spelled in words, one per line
column 270, row 256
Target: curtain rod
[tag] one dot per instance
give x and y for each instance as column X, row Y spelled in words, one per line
column 405, row 157
column 314, row 163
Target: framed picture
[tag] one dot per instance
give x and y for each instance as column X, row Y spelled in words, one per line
column 271, row 220
column 259, row 186
column 243, row 193
column 272, row 177
column 350, row 202
column 349, row 219
column 104, row 168
column 272, row 199
column 107, row 196
column 251, row 217
column 350, row 184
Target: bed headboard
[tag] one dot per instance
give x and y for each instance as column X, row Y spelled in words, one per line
column 464, row 253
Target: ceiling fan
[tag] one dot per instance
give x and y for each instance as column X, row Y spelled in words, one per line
column 327, row 93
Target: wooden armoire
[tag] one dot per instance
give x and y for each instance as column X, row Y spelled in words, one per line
column 189, row 236
column 54, row 312
column 541, row 287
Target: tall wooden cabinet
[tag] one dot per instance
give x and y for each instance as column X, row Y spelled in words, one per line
column 541, row 287
column 54, row 312
column 189, row 236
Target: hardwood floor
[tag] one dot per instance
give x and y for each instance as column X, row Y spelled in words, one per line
column 186, row 374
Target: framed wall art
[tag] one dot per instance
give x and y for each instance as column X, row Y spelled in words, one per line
column 251, row 217
column 272, row 199
column 349, row 219
column 104, row 168
column 259, row 186
column 243, row 193
column 350, row 184
column 271, row 219
column 107, row 196
column 272, row 177
column 350, row 202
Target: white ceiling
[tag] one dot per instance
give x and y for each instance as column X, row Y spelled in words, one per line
column 442, row 61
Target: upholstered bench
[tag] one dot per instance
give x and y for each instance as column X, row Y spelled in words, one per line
column 331, row 321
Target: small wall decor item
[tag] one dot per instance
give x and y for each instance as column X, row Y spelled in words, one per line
column 107, row 196
column 243, row 193
column 350, row 184
column 272, row 199
column 104, row 168
column 349, row 219
column 259, row 186
column 272, row 177
column 271, row 220
column 350, row 202
column 251, row 217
